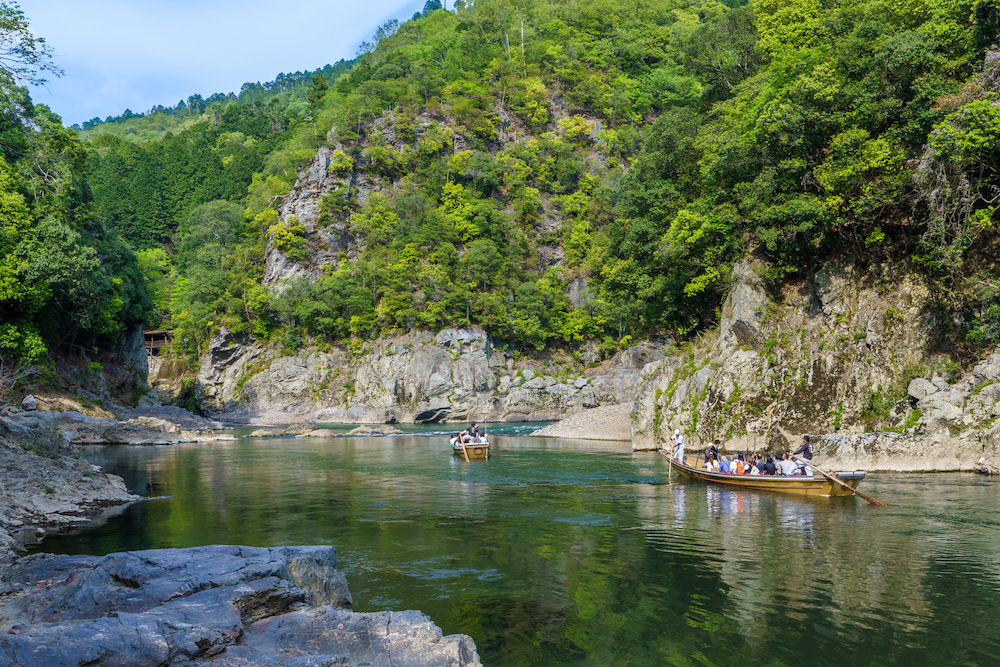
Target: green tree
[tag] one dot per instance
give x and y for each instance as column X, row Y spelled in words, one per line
column 24, row 57
column 317, row 89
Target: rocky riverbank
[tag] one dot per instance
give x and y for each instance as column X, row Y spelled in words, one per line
column 612, row 422
column 226, row 606
column 45, row 486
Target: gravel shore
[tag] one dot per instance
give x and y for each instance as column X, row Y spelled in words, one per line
column 611, row 422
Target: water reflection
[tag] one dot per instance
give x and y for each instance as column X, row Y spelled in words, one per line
column 576, row 553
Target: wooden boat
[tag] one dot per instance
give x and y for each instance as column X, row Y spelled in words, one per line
column 817, row 485
column 472, row 450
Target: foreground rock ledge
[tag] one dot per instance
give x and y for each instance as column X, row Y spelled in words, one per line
column 214, row 605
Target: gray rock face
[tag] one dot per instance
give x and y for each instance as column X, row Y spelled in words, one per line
column 217, row 605
column 896, row 452
column 811, row 365
column 454, row 375
column 131, row 350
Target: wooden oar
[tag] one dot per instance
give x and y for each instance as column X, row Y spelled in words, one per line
column 465, row 453
column 834, row 478
column 498, row 446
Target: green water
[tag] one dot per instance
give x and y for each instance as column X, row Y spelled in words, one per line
column 566, row 553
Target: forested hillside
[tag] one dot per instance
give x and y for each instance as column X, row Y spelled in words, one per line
column 486, row 160
column 488, row 156
column 289, row 90
column 67, row 280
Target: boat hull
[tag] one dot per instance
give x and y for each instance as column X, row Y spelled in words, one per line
column 817, row 485
column 473, row 450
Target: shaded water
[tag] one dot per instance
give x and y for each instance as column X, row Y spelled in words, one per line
column 567, row 553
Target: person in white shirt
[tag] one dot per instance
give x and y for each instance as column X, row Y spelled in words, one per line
column 786, row 466
column 678, row 441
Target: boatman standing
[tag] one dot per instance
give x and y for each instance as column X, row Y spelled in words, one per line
column 805, row 449
column 472, row 433
column 678, row 441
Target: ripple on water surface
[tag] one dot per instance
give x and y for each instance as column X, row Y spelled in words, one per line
column 563, row 553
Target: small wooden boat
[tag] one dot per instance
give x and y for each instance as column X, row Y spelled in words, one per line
column 816, row 485
column 472, row 450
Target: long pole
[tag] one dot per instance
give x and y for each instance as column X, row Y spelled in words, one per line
column 834, row 478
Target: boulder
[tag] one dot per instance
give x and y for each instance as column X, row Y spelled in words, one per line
column 371, row 430
column 45, row 483
column 300, row 429
column 535, row 383
column 215, row 605
column 988, row 370
column 122, row 433
column 29, row 403
column 920, row 388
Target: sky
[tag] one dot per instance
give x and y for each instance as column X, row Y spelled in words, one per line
column 135, row 54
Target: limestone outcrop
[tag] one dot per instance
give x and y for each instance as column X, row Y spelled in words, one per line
column 214, row 605
column 849, row 352
column 454, row 375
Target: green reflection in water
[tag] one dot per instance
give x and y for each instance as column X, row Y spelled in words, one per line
column 562, row 553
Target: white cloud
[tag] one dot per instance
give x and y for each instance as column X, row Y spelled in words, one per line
column 135, row 54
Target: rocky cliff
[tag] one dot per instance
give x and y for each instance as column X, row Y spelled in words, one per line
column 420, row 377
column 852, row 352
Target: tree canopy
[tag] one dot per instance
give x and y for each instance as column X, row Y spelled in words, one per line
column 66, row 279
column 487, row 162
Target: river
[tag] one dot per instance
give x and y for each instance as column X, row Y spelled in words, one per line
column 570, row 553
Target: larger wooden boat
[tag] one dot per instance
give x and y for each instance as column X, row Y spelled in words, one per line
column 816, row 485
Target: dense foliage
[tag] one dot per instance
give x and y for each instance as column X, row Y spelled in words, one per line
column 491, row 160
column 144, row 191
column 287, row 90
column 65, row 278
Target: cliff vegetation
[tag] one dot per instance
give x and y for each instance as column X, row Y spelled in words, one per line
column 566, row 172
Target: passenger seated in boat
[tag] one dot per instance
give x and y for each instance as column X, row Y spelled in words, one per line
column 786, row 466
column 455, row 439
column 768, row 468
column 724, row 465
column 752, row 468
column 712, row 453
column 712, row 465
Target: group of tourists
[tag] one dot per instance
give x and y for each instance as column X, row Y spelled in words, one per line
column 752, row 464
column 471, row 435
